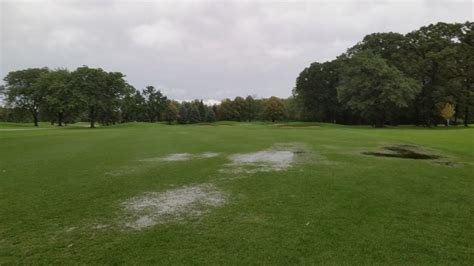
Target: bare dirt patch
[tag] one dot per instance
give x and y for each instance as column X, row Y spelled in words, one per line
column 404, row 152
column 173, row 205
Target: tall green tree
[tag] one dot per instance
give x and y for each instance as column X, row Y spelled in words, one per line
column 226, row 111
column 274, row 109
column 183, row 117
column 156, row 103
column 430, row 54
column 210, row 115
column 238, row 106
column 251, row 109
column 294, row 108
column 22, row 92
column 316, row 91
column 115, row 90
column 391, row 46
column 375, row 89
column 202, row 109
column 133, row 105
column 91, row 83
column 464, row 70
column 194, row 115
column 62, row 101
column 101, row 92
column 171, row 112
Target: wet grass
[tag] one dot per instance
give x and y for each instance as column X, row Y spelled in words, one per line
column 62, row 190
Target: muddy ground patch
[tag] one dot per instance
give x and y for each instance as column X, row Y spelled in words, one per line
column 405, row 152
column 172, row 205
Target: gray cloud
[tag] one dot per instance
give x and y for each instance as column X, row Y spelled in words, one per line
column 203, row 49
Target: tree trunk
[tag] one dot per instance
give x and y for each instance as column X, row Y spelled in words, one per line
column 60, row 119
column 380, row 118
column 35, row 118
column 92, row 116
column 466, row 115
column 456, row 111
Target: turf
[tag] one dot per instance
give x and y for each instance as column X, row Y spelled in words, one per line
column 340, row 207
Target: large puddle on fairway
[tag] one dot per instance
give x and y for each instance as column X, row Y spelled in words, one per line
column 172, row 205
column 278, row 158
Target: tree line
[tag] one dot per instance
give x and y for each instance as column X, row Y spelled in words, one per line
column 92, row 94
column 423, row 77
column 391, row 78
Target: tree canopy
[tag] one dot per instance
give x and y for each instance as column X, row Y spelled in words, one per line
column 274, row 110
column 22, row 91
column 374, row 89
column 438, row 57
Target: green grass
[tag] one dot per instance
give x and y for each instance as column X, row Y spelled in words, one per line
column 341, row 207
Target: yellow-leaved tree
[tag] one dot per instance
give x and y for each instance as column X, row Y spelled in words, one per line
column 447, row 112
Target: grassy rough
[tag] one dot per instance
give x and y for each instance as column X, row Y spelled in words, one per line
column 57, row 201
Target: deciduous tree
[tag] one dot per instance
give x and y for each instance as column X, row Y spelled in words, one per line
column 133, row 105
column 100, row 91
column 447, row 112
column 374, row 89
column 225, row 111
column 274, row 109
column 316, row 91
column 21, row 90
column 171, row 112
column 62, row 101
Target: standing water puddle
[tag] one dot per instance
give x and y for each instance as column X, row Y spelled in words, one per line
column 279, row 158
column 172, row 205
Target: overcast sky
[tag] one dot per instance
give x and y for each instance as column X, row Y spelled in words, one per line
column 203, row 49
